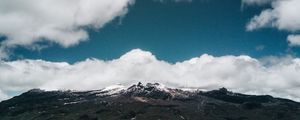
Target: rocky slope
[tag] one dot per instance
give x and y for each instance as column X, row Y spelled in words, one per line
column 146, row 102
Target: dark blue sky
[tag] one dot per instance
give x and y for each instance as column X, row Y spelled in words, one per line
column 174, row 32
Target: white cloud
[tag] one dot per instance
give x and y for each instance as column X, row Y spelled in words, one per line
column 284, row 15
column 265, row 19
column 275, row 76
column 294, row 40
column 3, row 96
column 26, row 22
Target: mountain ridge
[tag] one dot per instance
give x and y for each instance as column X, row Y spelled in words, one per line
column 151, row 101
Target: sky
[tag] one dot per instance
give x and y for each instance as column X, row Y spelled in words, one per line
column 174, row 32
column 247, row 46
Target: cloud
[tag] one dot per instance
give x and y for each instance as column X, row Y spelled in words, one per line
column 265, row 19
column 283, row 15
column 3, row 96
column 294, row 40
column 65, row 22
column 272, row 75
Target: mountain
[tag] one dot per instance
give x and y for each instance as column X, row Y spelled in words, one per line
column 146, row 102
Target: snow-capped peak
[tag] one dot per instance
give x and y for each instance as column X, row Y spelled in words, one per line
column 158, row 86
column 153, row 90
column 148, row 87
column 117, row 87
column 111, row 90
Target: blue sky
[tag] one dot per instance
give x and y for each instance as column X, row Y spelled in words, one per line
column 175, row 31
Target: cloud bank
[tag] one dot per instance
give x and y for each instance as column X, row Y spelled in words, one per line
column 294, row 40
column 276, row 76
column 65, row 22
column 284, row 15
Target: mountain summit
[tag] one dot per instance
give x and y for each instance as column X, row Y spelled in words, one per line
column 151, row 101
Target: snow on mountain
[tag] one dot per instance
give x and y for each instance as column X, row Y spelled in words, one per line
column 146, row 102
column 110, row 90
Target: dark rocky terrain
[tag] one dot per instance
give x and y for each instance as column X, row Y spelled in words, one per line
column 146, row 102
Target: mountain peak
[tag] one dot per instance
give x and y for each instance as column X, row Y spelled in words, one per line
column 148, row 87
column 153, row 90
column 35, row 90
column 146, row 101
